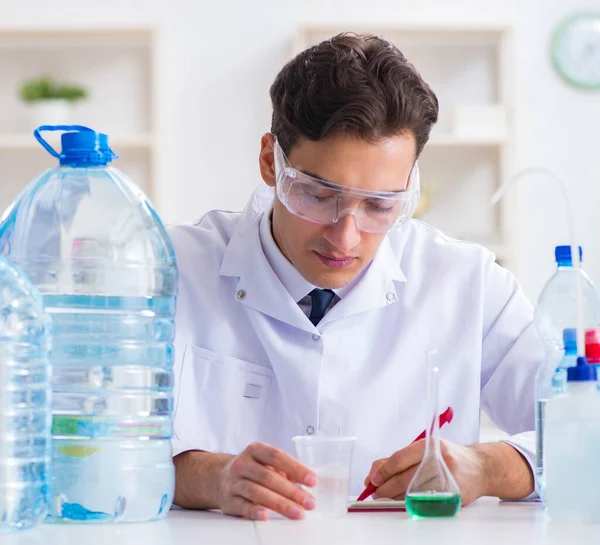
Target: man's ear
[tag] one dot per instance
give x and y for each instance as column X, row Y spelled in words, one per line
column 266, row 159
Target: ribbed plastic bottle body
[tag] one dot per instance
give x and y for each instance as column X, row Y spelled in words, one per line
column 106, row 268
column 24, row 402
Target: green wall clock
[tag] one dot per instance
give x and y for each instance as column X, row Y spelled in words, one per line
column 576, row 50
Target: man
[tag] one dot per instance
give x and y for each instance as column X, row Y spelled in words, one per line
column 312, row 310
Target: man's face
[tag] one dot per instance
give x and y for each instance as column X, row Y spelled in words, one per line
column 331, row 256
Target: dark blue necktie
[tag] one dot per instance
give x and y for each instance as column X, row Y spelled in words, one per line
column 321, row 299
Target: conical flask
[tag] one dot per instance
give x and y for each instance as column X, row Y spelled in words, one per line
column 432, row 492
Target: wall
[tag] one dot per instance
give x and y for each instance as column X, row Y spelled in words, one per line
column 559, row 128
column 219, row 58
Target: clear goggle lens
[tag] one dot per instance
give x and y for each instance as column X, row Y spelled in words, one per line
column 324, row 202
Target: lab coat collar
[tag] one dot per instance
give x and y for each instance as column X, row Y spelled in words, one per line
column 260, row 288
column 375, row 289
column 295, row 284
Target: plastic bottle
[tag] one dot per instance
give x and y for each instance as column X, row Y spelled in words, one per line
column 556, row 321
column 550, row 382
column 24, row 402
column 572, row 443
column 96, row 249
column 556, row 308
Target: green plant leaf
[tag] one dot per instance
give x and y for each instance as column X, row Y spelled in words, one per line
column 45, row 88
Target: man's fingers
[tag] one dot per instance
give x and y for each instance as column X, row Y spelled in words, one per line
column 376, row 465
column 261, row 496
column 395, row 487
column 264, row 477
column 241, row 507
column 399, row 461
column 272, row 480
column 278, row 471
column 270, row 456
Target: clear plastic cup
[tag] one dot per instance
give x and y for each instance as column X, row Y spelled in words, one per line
column 331, row 459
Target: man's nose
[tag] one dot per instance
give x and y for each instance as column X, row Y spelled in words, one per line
column 344, row 234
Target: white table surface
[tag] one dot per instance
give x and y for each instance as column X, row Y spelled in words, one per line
column 486, row 522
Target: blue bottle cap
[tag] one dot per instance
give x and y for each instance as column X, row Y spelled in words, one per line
column 562, row 254
column 582, row 372
column 570, row 340
column 85, row 149
column 81, row 146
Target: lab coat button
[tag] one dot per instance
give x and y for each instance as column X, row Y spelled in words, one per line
column 241, row 295
column 390, row 296
column 310, row 430
column 316, row 337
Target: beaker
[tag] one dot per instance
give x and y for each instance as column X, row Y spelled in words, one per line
column 330, row 458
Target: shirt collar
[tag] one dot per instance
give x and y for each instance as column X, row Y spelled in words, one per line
column 296, row 285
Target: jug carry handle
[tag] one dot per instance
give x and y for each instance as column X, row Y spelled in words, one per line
column 65, row 128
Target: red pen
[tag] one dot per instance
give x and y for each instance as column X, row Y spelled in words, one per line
column 445, row 418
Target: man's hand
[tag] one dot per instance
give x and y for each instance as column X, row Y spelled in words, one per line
column 493, row 469
column 263, row 477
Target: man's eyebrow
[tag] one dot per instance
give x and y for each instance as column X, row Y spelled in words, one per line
column 318, row 179
column 316, row 176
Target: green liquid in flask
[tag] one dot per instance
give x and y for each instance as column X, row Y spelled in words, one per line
column 433, row 505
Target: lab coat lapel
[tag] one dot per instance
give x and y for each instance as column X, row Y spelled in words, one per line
column 259, row 287
column 376, row 289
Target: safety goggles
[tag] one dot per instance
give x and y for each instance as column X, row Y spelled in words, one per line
column 324, row 202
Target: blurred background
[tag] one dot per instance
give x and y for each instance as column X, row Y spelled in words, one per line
column 181, row 86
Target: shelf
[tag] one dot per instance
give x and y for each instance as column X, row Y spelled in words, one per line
column 36, row 38
column 26, row 141
column 22, row 141
column 427, row 34
column 451, row 140
column 463, row 162
column 117, row 64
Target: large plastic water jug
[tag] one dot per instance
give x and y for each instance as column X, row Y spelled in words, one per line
column 24, row 402
column 94, row 246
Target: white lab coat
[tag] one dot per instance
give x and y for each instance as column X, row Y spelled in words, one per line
column 250, row 366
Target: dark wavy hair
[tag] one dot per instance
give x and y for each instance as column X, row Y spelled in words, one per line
column 355, row 84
